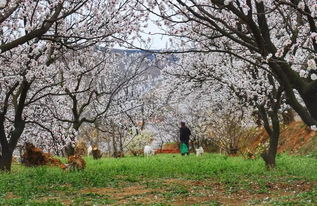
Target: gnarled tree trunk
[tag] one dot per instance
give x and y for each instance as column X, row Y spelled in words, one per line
column 269, row 156
column 9, row 141
column 6, row 160
column 273, row 130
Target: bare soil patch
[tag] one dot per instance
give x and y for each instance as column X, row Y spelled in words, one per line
column 10, row 195
column 186, row 192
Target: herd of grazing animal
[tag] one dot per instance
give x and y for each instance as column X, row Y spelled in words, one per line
column 149, row 151
column 34, row 156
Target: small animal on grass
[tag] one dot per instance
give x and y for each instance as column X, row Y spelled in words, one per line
column 34, row 156
column 148, row 151
column 80, row 148
column 16, row 159
column 96, row 153
column 199, row 151
column 250, row 155
column 74, row 162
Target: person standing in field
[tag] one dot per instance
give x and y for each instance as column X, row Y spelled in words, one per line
column 184, row 134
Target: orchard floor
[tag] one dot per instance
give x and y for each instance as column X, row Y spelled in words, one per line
column 166, row 180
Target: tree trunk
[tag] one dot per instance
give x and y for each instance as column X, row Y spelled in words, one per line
column 270, row 155
column 6, row 161
column 233, row 150
column 288, row 116
column 69, row 150
column 289, row 79
column 274, row 133
column 121, row 143
column 257, row 119
column 114, row 146
column 8, row 147
column 311, row 102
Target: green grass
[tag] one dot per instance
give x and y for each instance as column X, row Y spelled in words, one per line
column 29, row 185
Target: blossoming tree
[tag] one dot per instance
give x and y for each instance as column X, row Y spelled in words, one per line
column 34, row 34
column 277, row 35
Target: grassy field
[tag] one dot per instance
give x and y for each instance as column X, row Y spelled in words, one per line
column 165, row 180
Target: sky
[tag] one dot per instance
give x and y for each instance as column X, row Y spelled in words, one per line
column 158, row 41
column 2, row 3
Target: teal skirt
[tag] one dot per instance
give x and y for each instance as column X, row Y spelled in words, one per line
column 184, row 148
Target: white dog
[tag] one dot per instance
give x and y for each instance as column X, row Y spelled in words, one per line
column 148, row 151
column 199, row 151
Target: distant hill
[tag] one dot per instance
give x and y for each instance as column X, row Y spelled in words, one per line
column 151, row 54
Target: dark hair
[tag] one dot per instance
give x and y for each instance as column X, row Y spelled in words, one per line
column 182, row 123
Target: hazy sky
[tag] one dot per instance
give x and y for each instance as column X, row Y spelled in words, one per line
column 158, row 41
column 153, row 32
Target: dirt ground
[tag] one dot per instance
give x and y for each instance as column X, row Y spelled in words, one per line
column 185, row 192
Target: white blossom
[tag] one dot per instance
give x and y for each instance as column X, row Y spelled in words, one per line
column 311, row 64
column 301, row 6
column 302, row 73
column 313, row 127
column 227, row 2
column 313, row 77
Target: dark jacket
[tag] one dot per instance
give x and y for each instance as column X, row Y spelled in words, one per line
column 184, row 134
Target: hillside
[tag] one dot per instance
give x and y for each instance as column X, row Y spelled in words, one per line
column 296, row 138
